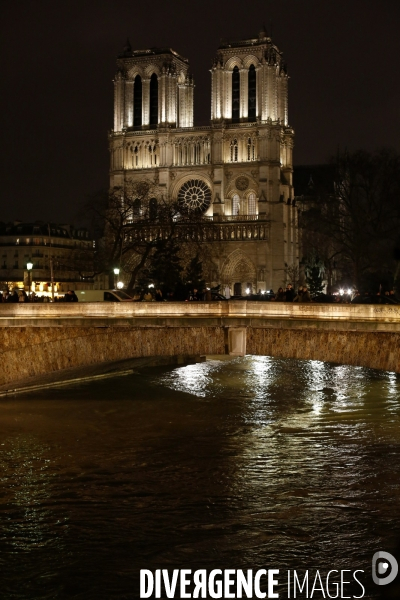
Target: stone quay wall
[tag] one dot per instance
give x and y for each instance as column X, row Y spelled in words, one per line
column 31, row 351
column 37, row 339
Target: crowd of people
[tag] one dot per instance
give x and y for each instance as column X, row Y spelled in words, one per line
column 283, row 295
column 14, row 296
column 19, row 295
column 342, row 297
column 156, row 295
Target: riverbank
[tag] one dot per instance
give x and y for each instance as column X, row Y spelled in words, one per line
column 106, row 370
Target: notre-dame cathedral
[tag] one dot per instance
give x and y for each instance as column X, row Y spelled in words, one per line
column 237, row 170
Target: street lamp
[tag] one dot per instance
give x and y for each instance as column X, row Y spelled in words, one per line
column 116, row 273
column 29, row 266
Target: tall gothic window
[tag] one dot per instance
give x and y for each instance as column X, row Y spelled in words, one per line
column 251, row 204
column 153, row 209
column 252, row 93
column 137, row 101
column 136, row 208
column 153, row 155
column 235, row 94
column 153, row 100
column 251, row 154
column 235, row 204
column 234, row 150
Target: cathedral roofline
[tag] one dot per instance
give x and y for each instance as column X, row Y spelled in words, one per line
column 239, row 43
column 152, row 52
column 18, row 228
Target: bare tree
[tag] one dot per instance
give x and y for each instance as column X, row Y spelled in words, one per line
column 353, row 226
column 292, row 275
column 132, row 222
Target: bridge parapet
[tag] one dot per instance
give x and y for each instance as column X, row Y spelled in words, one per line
column 378, row 314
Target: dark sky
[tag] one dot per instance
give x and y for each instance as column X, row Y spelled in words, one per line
column 58, row 62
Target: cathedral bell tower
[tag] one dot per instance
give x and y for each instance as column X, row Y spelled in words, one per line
column 249, row 82
column 152, row 89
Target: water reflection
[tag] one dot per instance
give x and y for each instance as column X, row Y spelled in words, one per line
column 236, row 463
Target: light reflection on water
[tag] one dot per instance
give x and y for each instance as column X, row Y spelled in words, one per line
column 242, row 463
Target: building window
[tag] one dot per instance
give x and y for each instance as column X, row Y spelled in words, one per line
column 153, row 209
column 235, row 94
column 234, row 150
column 252, row 93
column 153, row 100
column 251, row 204
column 251, row 154
column 195, row 195
column 136, row 209
column 153, row 155
column 137, row 102
column 235, row 204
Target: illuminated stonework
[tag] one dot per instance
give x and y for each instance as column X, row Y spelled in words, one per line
column 195, row 195
column 238, row 170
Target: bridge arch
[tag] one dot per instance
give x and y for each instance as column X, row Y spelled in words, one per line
column 38, row 340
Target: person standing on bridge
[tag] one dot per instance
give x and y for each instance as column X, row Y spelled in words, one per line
column 289, row 294
column 299, row 294
column 280, row 297
column 305, row 296
column 194, row 295
column 70, row 296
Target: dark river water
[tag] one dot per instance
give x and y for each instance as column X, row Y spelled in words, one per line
column 248, row 463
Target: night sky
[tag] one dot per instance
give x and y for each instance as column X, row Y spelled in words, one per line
column 58, row 63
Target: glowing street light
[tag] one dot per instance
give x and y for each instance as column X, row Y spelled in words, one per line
column 29, row 266
column 120, row 285
column 116, row 273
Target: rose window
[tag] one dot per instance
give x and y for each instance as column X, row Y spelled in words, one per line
column 195, row 195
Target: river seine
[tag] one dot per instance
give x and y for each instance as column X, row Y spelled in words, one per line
column 249, row 463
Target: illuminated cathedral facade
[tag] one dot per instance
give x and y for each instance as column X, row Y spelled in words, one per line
column 237, row 170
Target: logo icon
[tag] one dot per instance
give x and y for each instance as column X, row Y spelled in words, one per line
column 384, row 563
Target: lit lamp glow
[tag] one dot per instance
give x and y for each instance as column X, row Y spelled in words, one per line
column 29, row 266
column 120, row 285
column 116, row 273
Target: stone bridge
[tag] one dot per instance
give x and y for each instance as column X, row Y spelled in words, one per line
column 39, row 339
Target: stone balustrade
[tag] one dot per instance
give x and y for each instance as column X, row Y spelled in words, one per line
column 340, row 316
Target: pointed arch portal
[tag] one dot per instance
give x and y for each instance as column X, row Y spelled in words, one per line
column 239, row 270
